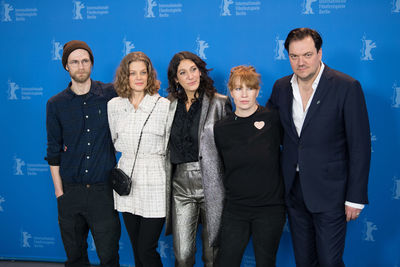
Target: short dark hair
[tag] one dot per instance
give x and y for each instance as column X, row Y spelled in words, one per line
column 206, row 83
column 300, row 34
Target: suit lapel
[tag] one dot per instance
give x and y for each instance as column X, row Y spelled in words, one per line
column 203, row 115
column 323, row 88
column 289, row 108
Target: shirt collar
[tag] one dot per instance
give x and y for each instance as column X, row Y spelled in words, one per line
column 94, row 90
column 146, row 105
column 314, row 85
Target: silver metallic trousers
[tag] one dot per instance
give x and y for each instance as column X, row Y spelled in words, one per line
column 187, row 210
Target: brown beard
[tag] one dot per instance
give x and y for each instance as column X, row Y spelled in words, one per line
column 80, row 79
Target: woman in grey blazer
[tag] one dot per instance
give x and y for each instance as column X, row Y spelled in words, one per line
column 194, row 187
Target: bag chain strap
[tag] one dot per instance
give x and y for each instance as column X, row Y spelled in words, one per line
column 140, row 137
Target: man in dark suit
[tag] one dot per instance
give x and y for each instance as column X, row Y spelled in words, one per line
column 326, row 150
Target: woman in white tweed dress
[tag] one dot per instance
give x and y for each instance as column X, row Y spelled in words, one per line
column 144, row 209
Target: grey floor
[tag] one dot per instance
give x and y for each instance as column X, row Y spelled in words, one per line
column 15, row 263
column 4, row 263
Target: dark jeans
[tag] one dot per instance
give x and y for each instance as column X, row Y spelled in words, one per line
column 84, row 207
column 144, row 234
column 318, row 238
column 264, row 224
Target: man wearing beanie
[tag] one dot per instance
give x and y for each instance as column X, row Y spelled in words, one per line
column 80, row 154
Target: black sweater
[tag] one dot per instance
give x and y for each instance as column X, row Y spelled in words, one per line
column 250, row 150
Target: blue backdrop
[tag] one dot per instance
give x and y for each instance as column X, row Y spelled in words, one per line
column 361, row 38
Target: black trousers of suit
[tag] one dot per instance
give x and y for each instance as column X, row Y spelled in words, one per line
column 318, row 238
column 144, row 234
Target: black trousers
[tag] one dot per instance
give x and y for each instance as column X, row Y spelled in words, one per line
column 144, row 234
column 84, row 207
column 264, row 224
column 318, row 238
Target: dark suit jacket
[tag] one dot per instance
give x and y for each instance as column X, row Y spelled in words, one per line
column 334, row 149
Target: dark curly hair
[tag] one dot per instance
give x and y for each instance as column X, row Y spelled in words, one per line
column 121, row 81
column 206, row 83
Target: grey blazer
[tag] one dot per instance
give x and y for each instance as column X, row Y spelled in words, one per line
column 212, row 110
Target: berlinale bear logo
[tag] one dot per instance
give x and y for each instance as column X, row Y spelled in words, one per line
column 225, row 7
column 307, row 9
column 77, row 11
column 279, row 49
column 367, row 46
column 201, row 46
column 7, row 8
column 149, row 9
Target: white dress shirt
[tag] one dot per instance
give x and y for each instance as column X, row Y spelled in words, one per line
column 299, row 113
